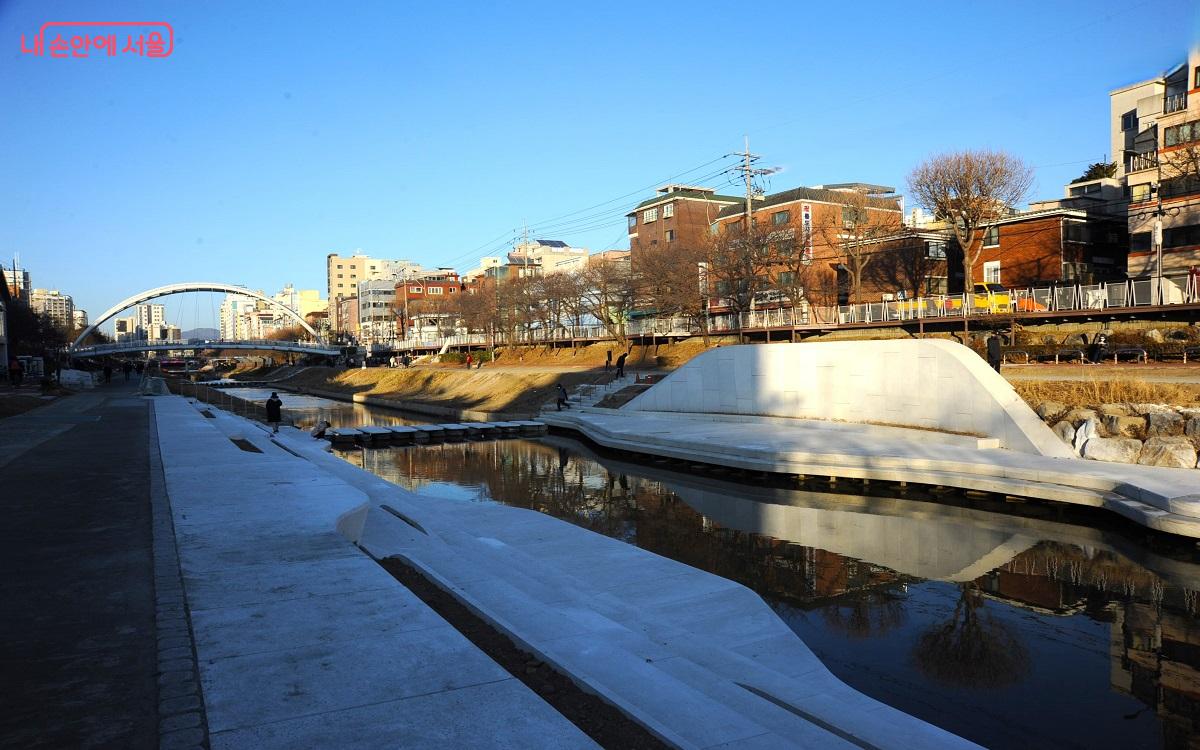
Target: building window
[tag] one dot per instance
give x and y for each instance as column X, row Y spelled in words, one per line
column 786, row 278
column 1176, row 186
column 1181, row 134
column 780, row 217
column 670, row 235
column 1182, row 236
column 991, row 272
column 1196, row 79
column 633, row 222
column 339, row 266
column 435, row 290
column 935, row 250
column 714, row 228
column 668, row 210
column 649, row 215
column 991, row 236
column 1076, row 231
column 339, row 276
column 1129, row 120
column 852, row 216
column 1139, row 192
column 339, row 286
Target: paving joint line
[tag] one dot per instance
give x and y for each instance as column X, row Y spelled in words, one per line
column 182, row 720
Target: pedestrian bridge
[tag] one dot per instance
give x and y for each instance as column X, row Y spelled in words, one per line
column 130, row 347
column 317, row 346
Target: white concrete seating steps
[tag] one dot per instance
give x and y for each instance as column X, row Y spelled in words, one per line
column 924, row 383
column 671, row 645
column 302, row 640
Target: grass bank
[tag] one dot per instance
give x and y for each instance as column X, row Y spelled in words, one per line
column 497, row 391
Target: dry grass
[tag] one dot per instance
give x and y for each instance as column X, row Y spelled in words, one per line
column 484, row 390
column 1116, row 391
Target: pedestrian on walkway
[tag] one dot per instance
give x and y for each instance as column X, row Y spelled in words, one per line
column 470, row 359
column 274, row 411
column 107, row 372
column 126, row 368
column 140, row 367
column 993, row 352
column 621, row 365
column 16, row 371
column 608, row 360
column 562, row 397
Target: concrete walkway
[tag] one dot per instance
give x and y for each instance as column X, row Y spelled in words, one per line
column 1163, row 499
column 303, row 640
column 77, row 638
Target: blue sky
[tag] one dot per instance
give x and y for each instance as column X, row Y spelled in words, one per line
column 279, row 132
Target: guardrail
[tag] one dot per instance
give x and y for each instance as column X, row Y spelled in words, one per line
column 142, row 345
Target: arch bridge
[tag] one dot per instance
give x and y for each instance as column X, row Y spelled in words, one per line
column 198, row 345
column 317, row 345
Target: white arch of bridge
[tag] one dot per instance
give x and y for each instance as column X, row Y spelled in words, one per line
column 189, row 286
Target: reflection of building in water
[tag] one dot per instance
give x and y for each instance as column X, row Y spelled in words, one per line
column 1156, row 659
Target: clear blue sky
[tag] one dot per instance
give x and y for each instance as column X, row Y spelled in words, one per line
column 279, row 132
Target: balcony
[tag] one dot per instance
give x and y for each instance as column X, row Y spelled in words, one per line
column 1140, row 162
column 1174, row 103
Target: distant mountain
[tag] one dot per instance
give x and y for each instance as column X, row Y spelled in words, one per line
column 201, row 333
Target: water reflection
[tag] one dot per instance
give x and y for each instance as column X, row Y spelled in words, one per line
column 1011, row 630
column 304, row 411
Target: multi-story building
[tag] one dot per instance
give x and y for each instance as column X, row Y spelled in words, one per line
column 677, row 214
column 818, row 218
column 1156, row 144
column 151, row 319
column 59, row 307
column 125, row 329
column 422, row 302
column 343, row 273
column 5, row 301
column 377, row 319
column 79, row 319
column 302, row 301
column 18, row 283
column 233, row 323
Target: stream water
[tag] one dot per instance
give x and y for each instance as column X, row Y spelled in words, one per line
column 1022, row 630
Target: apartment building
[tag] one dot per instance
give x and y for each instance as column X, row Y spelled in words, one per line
column 343, row 273
column 1048, row 245
column 1156, row 142
column 79, row 319
column 676, row 214
column 59, row 307
column 377, row 320
column 18, row 283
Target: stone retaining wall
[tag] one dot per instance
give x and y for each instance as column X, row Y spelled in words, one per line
column 1147, row 434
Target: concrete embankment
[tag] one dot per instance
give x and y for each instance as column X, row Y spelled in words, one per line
column 816, row 409
column 696, row 659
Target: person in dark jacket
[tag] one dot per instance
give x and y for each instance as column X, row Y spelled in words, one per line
column 562, row 397
column 274, row 411
column 621, row 365
column 993, row 352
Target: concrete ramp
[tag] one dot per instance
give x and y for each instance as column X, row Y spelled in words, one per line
column 928, row 384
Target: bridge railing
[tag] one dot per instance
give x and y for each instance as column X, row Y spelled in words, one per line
column 142, row 344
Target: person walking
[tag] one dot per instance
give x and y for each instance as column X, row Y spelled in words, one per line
column 994, row 356
column 274, row 411
column 107, row 372
column 469, row 360
column 16, row 371
column 621, row 365
column 562, row 397
column 126, row 368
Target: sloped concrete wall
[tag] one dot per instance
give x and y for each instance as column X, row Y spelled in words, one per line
column 931, row 384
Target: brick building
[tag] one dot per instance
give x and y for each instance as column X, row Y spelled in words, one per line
column 422, row 302
column 1048, row 246
column 677, row 214
column 818, row 216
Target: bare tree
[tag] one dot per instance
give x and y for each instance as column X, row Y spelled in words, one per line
column 739, row 265
column 855, row 232
column 609, row 293
column 969, row 190
column 671, row 282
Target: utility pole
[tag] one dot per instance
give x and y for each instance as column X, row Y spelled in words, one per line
column 1156, row 236
column 749, row 172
